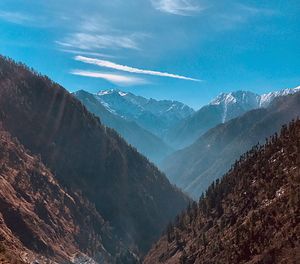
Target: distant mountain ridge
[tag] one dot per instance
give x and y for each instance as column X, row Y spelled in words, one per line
column 156, row 116
column 196, row 166
column 223, row 108
column 249, row 99
column 175, row 123
column 267, row 98
column 143, row 140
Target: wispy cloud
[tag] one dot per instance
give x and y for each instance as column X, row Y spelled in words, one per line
column 14, row 17
column 119, row 79
column 95, row 24
column 97, row 41
column 94, row 33
column 177, row 7
column 89, row 53
column 115, row 66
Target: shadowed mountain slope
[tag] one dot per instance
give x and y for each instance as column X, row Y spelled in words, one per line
column 128, row 191
column 39, row 220
column 145, row 142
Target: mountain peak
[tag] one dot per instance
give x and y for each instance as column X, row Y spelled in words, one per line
column 111, row 91
column 151, row 114
column 250, row 97
column 224, row 107
column 235, row 97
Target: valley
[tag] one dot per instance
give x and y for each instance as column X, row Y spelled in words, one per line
column 149, row 132
column 73, row 190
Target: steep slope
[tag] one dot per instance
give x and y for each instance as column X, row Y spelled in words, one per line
column 128, row 191
column 145, row 142
column 222, row 109
column 196, row 166
column 40, row 220
column 251, row 216
column 156, row 116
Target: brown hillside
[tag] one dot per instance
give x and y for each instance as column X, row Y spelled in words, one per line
column 38, row 218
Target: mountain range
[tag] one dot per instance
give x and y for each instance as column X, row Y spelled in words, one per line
column 156, row 116
column 147, row 124
column 223, row 108
column 251, row 215
column 143, row 140
column 196, row 166
column 73, row 161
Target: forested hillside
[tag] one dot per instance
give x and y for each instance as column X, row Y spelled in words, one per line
column 251, row 215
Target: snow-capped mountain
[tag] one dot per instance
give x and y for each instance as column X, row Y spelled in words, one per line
column 224, row 107
column 235, row 103
column 157, row 116
column 250, row 100
column 267, row 98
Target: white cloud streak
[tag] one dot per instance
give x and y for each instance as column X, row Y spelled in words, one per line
column 177, row 7
column 115, row 66
column 118, row 79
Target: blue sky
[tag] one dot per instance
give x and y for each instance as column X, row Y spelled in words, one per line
column 186, row 50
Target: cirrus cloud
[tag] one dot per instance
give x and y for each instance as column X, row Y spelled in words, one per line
column 119, row 79
column 119, row 67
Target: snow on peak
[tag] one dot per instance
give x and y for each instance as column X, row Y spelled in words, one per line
column 251, row 99
column 108, row 92
column 230, row 99
column 111, row 91
column 104, row 92
column 237, row 102
column 122, row 93
column 266, row 99
column 233, row 98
